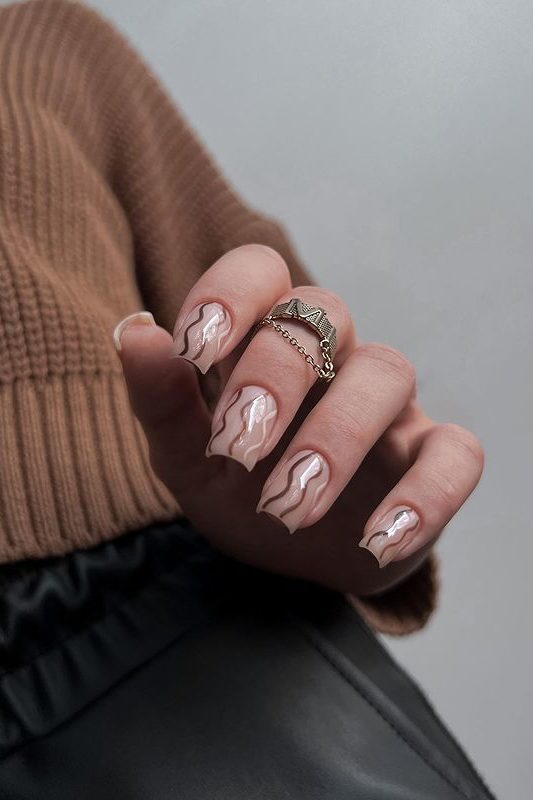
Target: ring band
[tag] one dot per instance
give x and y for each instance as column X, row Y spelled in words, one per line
column 316, row 319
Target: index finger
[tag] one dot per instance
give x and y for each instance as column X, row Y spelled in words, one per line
column 229, row 298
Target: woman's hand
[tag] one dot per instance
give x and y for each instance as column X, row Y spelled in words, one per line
column 353, row 462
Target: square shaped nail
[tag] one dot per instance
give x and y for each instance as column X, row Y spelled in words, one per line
column 243, row 428
column 200, row 336
column 293, row 493
column 392, row 534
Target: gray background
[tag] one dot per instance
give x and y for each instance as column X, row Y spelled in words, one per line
column 394, row 141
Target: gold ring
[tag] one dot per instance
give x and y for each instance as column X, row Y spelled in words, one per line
column 316, row 319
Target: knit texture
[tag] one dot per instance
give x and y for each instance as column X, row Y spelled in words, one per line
column 108, row 204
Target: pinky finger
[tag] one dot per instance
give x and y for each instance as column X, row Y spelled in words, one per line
column 412, row 515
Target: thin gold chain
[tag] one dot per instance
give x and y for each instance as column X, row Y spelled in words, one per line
column 326, row 372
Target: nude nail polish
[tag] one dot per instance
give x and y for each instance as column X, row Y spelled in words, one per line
column 201, row 335
column 395, row 531
column 138, row 318
column 295, row 489
column 243, row 429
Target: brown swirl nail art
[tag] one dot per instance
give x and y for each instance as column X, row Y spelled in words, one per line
column 201, row 335
column 294, row 491
column 243, row 430
column 394, row 534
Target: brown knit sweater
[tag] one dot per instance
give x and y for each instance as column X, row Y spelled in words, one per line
column 108, row 204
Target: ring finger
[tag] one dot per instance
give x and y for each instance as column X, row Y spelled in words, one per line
column 372, row 388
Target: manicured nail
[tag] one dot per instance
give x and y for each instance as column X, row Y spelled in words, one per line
column 201, row 335
column 242, row 430
column 295, row 489
column 393, row 534
column 139, row 318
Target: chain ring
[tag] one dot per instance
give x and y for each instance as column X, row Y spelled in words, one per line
column 326, row 372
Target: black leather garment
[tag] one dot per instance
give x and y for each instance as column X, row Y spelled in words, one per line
column 152, row 668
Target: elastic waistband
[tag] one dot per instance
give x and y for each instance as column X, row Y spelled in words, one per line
column 74, row 627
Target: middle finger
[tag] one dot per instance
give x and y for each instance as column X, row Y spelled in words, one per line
column 269, row 383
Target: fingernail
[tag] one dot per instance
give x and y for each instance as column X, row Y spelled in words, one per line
column 295, row 489
column 395, row 531
column 242, row 430
column 139, row 318
column 201, row 334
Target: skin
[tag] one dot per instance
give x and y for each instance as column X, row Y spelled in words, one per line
column 380, row 450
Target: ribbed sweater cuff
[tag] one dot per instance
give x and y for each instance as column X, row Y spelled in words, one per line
column 74, row 469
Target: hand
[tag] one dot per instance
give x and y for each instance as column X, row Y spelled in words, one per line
column 353, row 462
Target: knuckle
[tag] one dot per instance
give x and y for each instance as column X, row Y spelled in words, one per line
column 348, row 426
column 390, row 360
column 465, row 441
column 443, row 489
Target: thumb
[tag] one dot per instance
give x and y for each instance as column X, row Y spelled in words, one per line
column 166, row 399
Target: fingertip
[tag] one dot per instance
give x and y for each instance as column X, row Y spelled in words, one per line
column 139, row 319
column 395, row 532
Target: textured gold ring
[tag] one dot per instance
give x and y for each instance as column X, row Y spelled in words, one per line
column 316, row 319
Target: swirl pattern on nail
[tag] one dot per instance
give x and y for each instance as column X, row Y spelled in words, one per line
column 295, row 489
column 243, row 430
column 394, row 535
column 201, row 335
